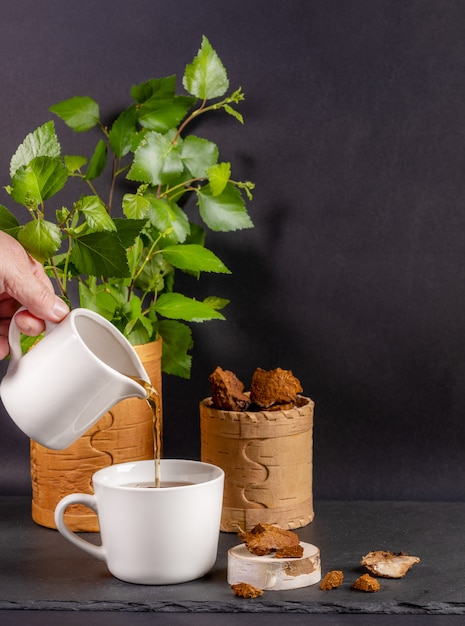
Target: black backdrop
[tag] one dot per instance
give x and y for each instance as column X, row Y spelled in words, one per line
column 354, row 276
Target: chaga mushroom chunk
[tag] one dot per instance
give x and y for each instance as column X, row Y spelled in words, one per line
column 266, row 538
column 227, row 391
column 245, row 590
column 274, row 389
column 367, row 583
column 332, row 580
column 290, row 552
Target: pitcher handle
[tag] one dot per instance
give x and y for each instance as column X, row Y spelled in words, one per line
column 14, row 338
column 89, row 501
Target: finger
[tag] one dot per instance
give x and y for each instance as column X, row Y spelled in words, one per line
column 4, row 347
column 4, row 326
column 29, row 324
column 36, row 294
column 8, row 306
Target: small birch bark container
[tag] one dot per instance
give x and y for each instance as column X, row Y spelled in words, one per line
column 267, row 460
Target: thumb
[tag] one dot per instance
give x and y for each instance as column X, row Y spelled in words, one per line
column 29, row 285
column 41, row 302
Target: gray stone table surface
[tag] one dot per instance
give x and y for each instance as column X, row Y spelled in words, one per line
column 40, row 570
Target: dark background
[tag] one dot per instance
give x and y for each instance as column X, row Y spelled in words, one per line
column 354, row 275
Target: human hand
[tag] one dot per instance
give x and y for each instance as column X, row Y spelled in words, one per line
column 23, row 281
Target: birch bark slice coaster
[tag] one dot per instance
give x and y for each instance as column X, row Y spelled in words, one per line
column 268, row 572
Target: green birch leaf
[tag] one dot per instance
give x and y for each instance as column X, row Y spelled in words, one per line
column 80, row 113
column 136, row 205
column 199, row 155
column 177, row 340
column 74, row 163
column 28, row 342
column 97, row 161
column 216, row 302
column 138, row 329
column 41, row 239
column 162, row 114
column 155, row 87
column 206, row 76
column 179, row 307
column 42, row 178
column 134, row 254
column 224, row 212
column 122, row 131
column 168, row 216
column 151, row 278
column 62, row 215
column 234, row 113
column 218, row 176
column 41, row 142
column 100, row 254
column 95, row 213
column 194, row 258
column 96, row 298
column 156, row 160
column 128, row 229
column 8, row 222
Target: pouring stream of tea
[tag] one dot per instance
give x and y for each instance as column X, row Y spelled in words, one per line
column 153, row 400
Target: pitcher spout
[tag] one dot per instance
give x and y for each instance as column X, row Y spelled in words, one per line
column 137, row 387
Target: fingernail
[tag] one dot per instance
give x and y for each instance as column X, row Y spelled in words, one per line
column 60, row 309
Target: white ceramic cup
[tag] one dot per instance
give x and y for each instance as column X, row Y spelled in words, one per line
column 70, row 378
column 153, row 536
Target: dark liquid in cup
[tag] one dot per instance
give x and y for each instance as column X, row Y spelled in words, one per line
column 163, row 484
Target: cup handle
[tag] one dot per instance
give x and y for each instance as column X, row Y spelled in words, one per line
column 14, row 338
column 89, row 501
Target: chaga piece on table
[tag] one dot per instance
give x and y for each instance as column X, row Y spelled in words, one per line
column 266, row 538
column 332, row 580
column 227, row 391
column 274, row 389
column 244, row 590
column 367, row 583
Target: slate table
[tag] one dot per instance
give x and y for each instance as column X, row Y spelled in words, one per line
column 46, row 580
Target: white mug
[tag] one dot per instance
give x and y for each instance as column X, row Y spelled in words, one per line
column 153, row 535
column 70, row 378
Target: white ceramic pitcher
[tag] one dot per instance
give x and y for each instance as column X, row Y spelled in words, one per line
column 70, row 378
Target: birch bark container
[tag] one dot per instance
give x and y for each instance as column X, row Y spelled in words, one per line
column 267, row 460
